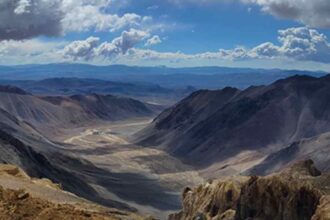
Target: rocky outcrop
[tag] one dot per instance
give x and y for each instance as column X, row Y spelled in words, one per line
column 17, row 204
column 23, row 197
column 323, row 210
column 214, row 199
column 299, row 192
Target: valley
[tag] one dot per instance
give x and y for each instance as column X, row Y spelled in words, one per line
column 151, row 180
column 136, row 156
column 164, row 110
column 83, row 143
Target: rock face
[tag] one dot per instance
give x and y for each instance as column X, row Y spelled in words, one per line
column 274, row 198
column 297, row 193
column 323, row 211
column 210, row 127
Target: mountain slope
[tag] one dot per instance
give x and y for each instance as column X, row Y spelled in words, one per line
column 12, row 89
column 315, row 148
column 42, row 199
column 23, row 146
column 63, row 111
column 212, row 126
column 25, row 142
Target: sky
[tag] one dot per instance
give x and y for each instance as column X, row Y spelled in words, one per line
column 287, row 34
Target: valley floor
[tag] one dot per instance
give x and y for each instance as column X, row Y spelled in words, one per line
column 147, row 179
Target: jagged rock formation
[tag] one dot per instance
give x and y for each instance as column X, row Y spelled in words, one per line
column 297, row 193
column 323, row 210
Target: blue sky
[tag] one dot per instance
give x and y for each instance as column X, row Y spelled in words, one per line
column 291, row 34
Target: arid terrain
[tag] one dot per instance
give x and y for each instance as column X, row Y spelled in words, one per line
column 164, row 109
column 83, row 142
column 108, row 147
column 136, row 157
column 23, row 197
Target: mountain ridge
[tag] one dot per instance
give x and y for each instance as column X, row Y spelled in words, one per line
column 212, row 126
column 169, row 77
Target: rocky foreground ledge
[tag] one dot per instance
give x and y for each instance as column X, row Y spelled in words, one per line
column 26, row 198
column 299, row 192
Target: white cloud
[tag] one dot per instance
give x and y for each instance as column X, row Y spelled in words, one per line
column 294, row 44
column 82, row 49
column 22, row 19
column 313, row 13
column 146, row 54
column 153, row 41
column 30, row 51
column 91, row 47
column 302, row 44
column 122, row 44
column 298, row 44
column 82, row 15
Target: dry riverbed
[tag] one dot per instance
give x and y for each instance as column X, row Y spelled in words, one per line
column 146, row 178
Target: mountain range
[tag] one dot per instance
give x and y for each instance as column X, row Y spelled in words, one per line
column 75, row 110
column 198, row 77
column 259, row 130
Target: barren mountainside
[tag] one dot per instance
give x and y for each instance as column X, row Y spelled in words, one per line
column 212, row 126
column 75, row 110
column 26, row 121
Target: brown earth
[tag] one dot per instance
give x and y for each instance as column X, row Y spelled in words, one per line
column 25, row 198
column 17, row 204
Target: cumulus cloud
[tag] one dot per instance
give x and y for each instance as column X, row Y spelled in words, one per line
column 81, row 49
column 294, row 44
column 153, row 41
column 92, row 48
column 83, row 15
column 301, row 44
column 22, row 19
column 313, row 13
column 297, row 43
